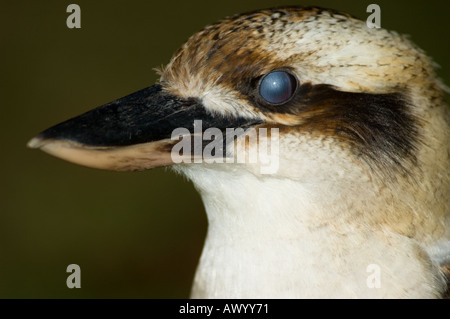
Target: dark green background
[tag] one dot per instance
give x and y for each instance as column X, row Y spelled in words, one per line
column 135, row 235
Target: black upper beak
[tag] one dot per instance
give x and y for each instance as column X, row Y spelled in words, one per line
column 131, row 133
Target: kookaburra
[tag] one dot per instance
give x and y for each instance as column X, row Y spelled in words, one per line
column 359, row 203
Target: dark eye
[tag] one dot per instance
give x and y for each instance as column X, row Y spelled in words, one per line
column 277, row 87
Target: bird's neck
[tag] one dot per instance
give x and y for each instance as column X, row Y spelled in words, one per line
column 270, row 238
column 249, row 250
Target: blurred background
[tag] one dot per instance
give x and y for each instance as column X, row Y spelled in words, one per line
column 134, row 235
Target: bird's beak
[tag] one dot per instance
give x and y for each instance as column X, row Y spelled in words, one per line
column 131, row 133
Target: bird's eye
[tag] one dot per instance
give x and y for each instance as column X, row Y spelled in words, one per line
column 277, row 87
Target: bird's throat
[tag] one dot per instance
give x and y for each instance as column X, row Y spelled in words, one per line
column 269, row 238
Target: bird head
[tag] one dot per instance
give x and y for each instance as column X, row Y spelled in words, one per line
column 356, row 114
